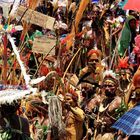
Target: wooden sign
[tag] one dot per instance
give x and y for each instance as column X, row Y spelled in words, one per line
column 34, row 17
column 44, row 45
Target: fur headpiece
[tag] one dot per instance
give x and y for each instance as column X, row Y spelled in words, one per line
column 94, row 54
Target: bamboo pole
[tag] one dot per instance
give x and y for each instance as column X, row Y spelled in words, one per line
column 70, row 63
column 5, row 41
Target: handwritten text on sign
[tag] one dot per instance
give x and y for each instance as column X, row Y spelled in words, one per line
column 44, row 45
column 35, row 17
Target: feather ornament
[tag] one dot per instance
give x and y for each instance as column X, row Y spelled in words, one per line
column 38, row 80
column 23, row 69
column 123, row 63
column 10, row 95
column 27, row 79
column 109, row 73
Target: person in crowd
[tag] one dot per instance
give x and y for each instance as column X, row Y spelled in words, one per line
column 107, row 105
column 92, row 72
column 74, row 117
column 133, row 97
column 37, row 113
column 2, row 19
column 125, row 71
column 127, row 36
column 11, row 125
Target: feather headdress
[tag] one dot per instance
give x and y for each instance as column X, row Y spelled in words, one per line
column 110, row 75
column 123, row 63
column 11, row 95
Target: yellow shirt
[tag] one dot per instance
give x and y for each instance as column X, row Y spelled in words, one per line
column 74, row 124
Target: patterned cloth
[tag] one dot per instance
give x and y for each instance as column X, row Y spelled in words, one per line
column 129, row 123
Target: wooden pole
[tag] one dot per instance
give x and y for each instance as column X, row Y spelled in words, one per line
column 5, row 41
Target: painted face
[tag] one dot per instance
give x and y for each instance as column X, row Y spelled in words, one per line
column 93, row 60
column 125, row 75
column 109, row 88
column 69, row 100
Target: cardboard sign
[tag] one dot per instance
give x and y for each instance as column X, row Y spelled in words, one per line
column 44, row 45
column 6, row 8
column 34, row 17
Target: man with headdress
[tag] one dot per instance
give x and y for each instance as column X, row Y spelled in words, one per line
column 74, row 117
column 107, row 109
column 133, row 99
column 92, row 73
column 12, row 126
column 104, row 105
column 125, row 71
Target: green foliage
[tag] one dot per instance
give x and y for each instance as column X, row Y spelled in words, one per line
column 6, row 135
column 121, row 110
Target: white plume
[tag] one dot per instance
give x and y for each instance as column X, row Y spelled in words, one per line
column 38, row 80
column 10, row 95
column 23, row 69
column 109, row 72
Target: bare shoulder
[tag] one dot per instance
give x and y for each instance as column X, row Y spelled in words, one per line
column 115, row 103
column 118, row 100
column 83, row 71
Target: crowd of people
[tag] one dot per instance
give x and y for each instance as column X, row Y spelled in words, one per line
column 88, row 85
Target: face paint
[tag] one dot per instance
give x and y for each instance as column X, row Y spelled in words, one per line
column 109, row 88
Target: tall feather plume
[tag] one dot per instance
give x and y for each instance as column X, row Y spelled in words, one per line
column 27, row 79
column 23, row 69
